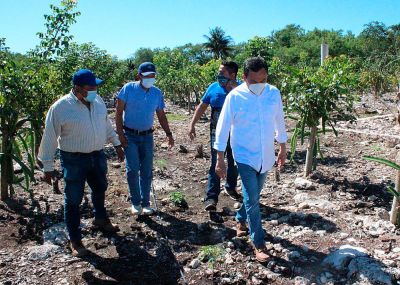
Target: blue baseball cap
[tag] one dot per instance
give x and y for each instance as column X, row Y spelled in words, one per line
column 147, row 68
column 85, row 77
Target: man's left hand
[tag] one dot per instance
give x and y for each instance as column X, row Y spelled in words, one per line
column 281, row 158
column 120, row 153
column 171, row 142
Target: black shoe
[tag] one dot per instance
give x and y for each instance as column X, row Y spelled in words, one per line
column 233, row 194
column 216, row 217
column 210, row 205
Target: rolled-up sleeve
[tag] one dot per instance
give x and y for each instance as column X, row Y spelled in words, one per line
column 279, row 124
column 49, row 142
column 224, row 125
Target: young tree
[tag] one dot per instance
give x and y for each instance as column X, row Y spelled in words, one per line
column 25, row 94
column 319, row 98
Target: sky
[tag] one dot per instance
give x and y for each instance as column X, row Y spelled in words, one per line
column 122, row 26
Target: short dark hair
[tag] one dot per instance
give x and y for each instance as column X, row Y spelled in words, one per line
column 254, row 64
column 231, row 66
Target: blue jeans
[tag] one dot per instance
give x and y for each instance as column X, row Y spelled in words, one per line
column 77, row 169
column 252, row 184
column 214, row 182
column 139, row 167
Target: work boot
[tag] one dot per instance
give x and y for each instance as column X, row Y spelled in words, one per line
column 210, row 205
column 78, row 249
column 261, row 254
column 105, row 225
column 241, row 229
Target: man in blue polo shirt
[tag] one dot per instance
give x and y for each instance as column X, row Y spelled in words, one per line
column 136, row 104
column 215, row 96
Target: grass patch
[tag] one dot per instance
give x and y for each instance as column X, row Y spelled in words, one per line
column 175, row 117
column 211, row 253
column 161, row 164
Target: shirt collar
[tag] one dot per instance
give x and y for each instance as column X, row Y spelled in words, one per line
column 71, row 93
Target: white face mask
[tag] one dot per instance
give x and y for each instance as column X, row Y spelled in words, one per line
column 257, row 88
column 148, row 82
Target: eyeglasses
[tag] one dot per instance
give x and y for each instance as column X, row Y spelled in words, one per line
column 222, row 79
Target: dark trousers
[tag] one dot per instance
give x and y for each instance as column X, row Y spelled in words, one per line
column 214, row 182
column 79, row 168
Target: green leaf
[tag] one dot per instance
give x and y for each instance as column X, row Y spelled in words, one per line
column 382, row 161
column 25, row 168
column 393, row 191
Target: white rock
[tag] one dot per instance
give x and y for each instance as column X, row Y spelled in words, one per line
column 379, row 252
column 303, row 184
column 372, row 270
column 351, row 240
column 274, row 222
column 301, row 197
column 396, row 250
column 304, row 205
column 56, row 234
column 226, row 280
column 301, row 281
column 340, row 258
column 372, row 198
column 195, row 263
column 389, row 262
column 43, row 252
column 375, row 234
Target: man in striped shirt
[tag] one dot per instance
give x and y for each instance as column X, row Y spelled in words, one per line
column 78, row 125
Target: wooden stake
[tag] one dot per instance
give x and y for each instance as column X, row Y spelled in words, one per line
column 394, row 213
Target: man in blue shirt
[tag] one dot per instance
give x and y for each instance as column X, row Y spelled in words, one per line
column 215, row 96
column 136, row 104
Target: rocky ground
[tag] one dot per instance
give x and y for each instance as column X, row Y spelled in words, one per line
column 331, row 228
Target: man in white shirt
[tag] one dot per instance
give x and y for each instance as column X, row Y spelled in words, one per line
column 79, row 126
column 253, row 117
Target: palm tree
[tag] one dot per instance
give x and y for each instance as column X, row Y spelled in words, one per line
column 218, row 43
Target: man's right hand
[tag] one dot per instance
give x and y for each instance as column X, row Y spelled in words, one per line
column 48, row 176
column 220, row 168
column 192, row 133
column 123, row 140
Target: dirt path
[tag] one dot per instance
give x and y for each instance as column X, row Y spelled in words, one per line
column 346, row 204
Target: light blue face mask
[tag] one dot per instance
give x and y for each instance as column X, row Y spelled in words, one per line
column 91, row 96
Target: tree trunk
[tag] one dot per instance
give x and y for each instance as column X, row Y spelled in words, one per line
column 5, row 166
column 394, row 213
column 189, row 103
column 310, row 151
